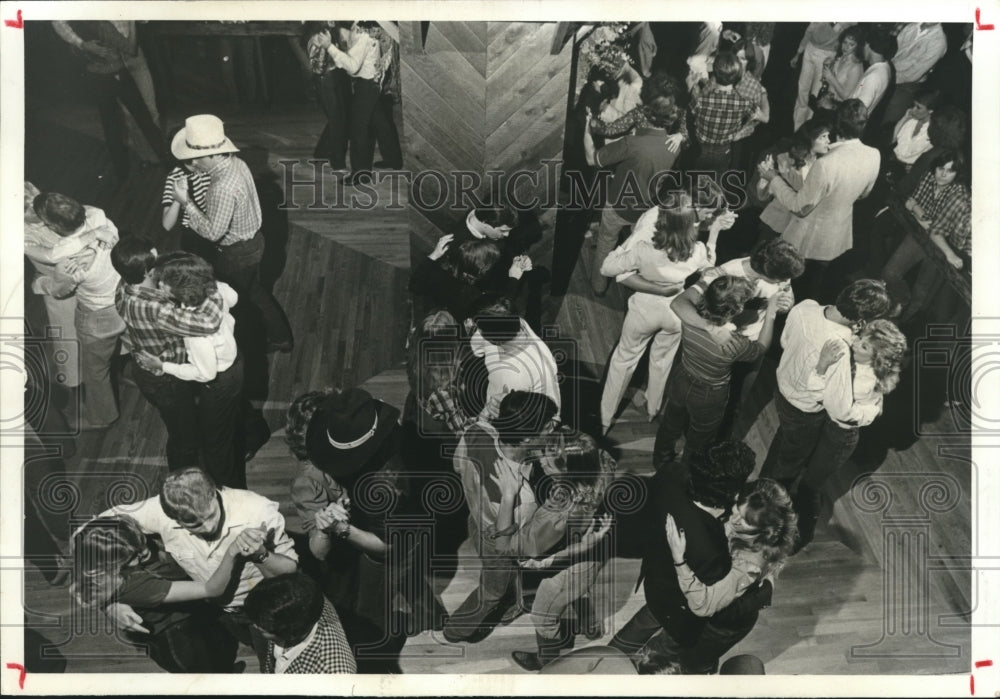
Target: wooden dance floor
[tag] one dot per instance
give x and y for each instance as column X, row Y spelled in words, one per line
column 883, row 589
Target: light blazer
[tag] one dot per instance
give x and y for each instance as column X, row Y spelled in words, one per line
column 821, row 227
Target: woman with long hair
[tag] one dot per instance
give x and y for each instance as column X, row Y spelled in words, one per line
column 663, row 263
column 793, row 160
column 114, row 561
column 842, row 72
column 762, row 531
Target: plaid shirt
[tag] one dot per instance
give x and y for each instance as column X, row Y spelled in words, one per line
column 442, row 406
column 960, row 237
column 327, row 653
column 232, row 209
column 159, row 327
column 719, row 114
column 944, row 206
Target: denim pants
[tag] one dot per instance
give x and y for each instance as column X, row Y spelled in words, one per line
column 608, row 235
column 496, row 585
column 793, row 444
column 692, row 403
column 556, row 594
column 98, row 332
column 239, row 266
column 371, row 120
column 220, row 416
column 908, row 255
column 120, row 87
column 174, row 400
column 333, row 90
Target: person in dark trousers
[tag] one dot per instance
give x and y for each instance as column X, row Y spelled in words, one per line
column 154, row 324
column 214, row 367
column 696, row 643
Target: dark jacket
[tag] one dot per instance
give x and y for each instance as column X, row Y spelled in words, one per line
column 708, row 556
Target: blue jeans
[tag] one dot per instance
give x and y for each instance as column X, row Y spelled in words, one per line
column 239, row 266
column 98, row 332
column 694, row 404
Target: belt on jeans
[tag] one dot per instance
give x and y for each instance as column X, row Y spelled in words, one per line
column 220, row 246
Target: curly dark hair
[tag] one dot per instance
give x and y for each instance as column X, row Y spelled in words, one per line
column 190, row 278
column 287, row 606
column 300, row 413
column 724, row 299
column 471, row 261
column 865, row 300
column 777, row 259
column 718, row 473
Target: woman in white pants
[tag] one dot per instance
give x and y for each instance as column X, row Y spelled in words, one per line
column 655, row 261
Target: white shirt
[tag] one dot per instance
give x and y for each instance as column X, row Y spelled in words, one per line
column 867, row 397
column 97, row 288
column 910, row 143
column 642, row 232
column 806, row 331
column 874, row 83
column 209, row 355
column 283, row 657
column 523, row 364
column 361, row 59
column 200, row 558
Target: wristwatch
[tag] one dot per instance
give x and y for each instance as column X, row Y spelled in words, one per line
column 262, row 557
column 342, row 533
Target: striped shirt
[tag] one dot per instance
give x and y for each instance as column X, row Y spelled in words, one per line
column 751, row 321
column 707, row 361
column 197, row 189
column 157, row 326
column 719, row 114
column 232, row 209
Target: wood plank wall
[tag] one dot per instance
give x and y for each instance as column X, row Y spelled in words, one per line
column 480, row 96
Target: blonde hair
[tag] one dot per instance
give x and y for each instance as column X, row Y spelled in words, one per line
column 888, row 345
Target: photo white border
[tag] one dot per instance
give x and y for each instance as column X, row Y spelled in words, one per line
column 986, row 290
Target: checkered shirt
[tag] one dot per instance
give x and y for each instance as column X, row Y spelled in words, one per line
column 719, row 114
column 946, row 207
column 328, row 652
column 157, row 326
column 232, row 209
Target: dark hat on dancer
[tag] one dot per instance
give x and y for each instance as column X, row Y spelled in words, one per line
column 347, row 430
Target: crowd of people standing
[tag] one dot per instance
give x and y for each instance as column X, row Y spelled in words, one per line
column 811, row 313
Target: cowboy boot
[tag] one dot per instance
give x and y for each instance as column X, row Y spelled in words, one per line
column 548, row 649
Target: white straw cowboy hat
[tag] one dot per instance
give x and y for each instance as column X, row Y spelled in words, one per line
column 202, row 135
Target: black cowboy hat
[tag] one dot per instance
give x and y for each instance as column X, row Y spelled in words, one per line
column 347, row 430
